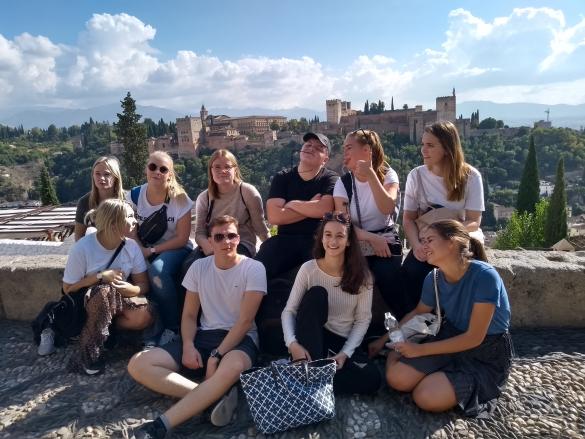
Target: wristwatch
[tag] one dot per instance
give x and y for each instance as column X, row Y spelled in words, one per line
column 99, row 275
column 152, row 251
column 215, row 354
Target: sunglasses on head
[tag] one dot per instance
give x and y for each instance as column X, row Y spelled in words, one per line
column 220, row 237
column 340, row 217
column 153, row 167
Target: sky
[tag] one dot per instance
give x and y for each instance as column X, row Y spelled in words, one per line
column 286, row 54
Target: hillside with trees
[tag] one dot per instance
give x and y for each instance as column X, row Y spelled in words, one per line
column 499, row 155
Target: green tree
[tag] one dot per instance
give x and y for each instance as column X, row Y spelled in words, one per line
column 133, row 135
column 529, row 190
column 525, row 229
column 555, row 227
column 488, row 123
column 47, row 189
column 488, row 218
column 367, row 107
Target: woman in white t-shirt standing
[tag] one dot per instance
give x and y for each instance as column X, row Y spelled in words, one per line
column 167, row 254
column 374, row 194
column 445, row 180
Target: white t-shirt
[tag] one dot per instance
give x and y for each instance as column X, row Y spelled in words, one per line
column 372, row 218
column 88, row 256
column 175, row 210
column 436, row 191
column 221, row 291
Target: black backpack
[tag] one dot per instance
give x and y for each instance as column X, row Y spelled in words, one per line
column 154, row 227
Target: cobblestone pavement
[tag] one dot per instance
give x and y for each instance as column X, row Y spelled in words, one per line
column 38, row 398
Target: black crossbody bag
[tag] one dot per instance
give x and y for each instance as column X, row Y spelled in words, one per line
column 154, row 227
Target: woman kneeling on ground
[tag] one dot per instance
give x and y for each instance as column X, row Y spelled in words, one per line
column 102, row 262
column 329, row 308
column 468, row 362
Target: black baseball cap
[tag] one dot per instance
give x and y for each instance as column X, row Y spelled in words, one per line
column 320, row 137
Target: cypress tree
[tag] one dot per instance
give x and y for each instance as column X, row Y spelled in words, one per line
column 47, row 189
column 555, row 227
column 367, row 107
column 133, row 135
column 529, row 190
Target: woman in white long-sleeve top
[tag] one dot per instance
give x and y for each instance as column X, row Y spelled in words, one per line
column 329, row 308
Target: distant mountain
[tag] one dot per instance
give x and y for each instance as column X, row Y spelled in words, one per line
column 524, row 114
column 62, row 117
column 291, row 113
column 42, row 117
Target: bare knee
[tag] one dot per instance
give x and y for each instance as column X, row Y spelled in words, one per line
column 136, row 365
column 400, row 377
column 431, row 399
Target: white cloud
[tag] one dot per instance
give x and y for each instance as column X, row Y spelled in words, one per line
column 531, row 55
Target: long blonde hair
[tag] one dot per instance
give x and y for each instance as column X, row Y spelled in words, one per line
column 112, row 165
column 456, row 171
column 371, row 138
column 174, row 188
column 212, row 185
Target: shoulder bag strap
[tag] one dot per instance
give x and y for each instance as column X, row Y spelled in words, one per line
column 134, row 194
column 116, row 253
column 244, row 200
column 357, row 203
column 210, row 204
column 436, row 283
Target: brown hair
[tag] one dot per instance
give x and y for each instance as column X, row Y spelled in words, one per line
column 355, row 267
column 222, row 221
column 455, row 168
column 212, row 185
column 371, row 138
column 470, row 248
column 113, row 165
column 174, row 188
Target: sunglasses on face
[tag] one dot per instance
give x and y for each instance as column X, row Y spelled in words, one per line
column 220, row 237
column 152, row 167
column 340, row 217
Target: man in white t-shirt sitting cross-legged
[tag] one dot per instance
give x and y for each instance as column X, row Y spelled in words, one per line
column 228, row 288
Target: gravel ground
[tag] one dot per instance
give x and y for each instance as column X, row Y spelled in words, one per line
column 545, row 398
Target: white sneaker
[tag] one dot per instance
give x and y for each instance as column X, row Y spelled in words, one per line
column 222, row 413
column 47, row 344
column 166, row 337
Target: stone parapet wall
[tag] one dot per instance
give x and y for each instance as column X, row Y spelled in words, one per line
column 546, row 289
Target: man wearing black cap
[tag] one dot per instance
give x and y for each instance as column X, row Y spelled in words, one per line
column 297, row 201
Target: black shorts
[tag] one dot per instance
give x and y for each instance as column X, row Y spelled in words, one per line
column 477, row 375
column 205, row 342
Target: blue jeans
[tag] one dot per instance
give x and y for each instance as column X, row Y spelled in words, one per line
column 164, row 285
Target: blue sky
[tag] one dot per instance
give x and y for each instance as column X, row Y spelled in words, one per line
column 285, row 54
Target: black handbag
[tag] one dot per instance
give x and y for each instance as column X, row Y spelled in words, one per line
column 154, row 227
column 67, row 316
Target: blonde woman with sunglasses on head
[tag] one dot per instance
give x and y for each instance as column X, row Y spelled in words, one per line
column 106, row 182
column 373, row 185
column 167, row 254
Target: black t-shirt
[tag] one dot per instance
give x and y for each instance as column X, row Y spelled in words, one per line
column 290, row 186
column 82, row 208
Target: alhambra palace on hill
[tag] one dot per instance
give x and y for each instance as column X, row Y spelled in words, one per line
column 221, row 131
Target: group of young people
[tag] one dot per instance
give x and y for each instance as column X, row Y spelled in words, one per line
column 337, row 235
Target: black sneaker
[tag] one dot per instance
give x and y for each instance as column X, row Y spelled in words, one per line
column 96, row 368
column 150, row 430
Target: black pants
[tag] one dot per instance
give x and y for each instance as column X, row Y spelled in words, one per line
column 282, row 253
column 413, row 274
column 359, row 374
column 387, row 278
